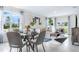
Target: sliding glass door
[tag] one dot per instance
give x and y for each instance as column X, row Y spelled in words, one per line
column 50, row 24
column 62, row 24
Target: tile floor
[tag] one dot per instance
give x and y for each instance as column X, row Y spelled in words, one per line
column 50, row 46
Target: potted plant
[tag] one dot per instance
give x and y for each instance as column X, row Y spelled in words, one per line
column 50, row 21
column 32, row 23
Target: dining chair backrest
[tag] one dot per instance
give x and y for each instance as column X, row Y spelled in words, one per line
column 41, row 37
column 14, row 38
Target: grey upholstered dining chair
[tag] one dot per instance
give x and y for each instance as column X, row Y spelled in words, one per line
column 15, row 41
column 40, row 40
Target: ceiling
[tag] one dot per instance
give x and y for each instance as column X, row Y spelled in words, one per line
column 51, row 11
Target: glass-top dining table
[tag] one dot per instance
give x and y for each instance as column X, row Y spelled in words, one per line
column 30, row 38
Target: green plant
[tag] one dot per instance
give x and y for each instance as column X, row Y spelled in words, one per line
column 32, row 23
column 14, row 25
column 6, row 26
column 65, row 24
column 50, row 21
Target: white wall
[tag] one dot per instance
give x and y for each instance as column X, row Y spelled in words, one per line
column 72, row 23
column 43, row 22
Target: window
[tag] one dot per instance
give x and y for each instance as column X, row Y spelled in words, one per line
column 6, row 20
column 15, row 22
column 50, row 24
column 62, row 24
column 10, row 21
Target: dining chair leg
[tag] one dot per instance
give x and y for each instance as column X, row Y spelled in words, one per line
column 43, row 47
column 20, row 50
column 36, row 48
column 28, row 48
column 33, row 48
column 10, row 49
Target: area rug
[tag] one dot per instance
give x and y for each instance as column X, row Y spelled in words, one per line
column 61, row 40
